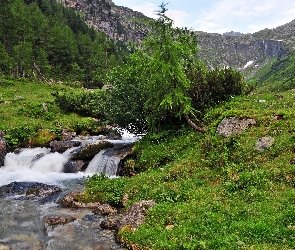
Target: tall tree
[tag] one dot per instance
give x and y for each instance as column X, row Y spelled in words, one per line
column 159, row 71
column 164, row 81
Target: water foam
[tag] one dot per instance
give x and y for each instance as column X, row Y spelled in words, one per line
column 36, row 164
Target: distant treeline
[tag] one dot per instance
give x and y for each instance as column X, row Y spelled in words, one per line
column 45, row 40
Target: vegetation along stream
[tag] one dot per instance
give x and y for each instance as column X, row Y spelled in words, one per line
column 24, row 212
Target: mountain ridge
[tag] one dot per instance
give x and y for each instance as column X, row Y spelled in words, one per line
column 247, row 53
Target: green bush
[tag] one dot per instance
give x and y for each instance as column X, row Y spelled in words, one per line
column 86, row 103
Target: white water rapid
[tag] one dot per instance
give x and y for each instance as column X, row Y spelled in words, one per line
column 41, row 165
column 35, row 165
column 22, row 220
column 103, row 163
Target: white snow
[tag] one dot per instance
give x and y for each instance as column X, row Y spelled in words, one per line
column 248, row 64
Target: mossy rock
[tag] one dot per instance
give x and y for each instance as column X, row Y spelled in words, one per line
column 90, row 150
column 43, row 138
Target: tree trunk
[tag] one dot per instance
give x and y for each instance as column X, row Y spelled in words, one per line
column 193, row 125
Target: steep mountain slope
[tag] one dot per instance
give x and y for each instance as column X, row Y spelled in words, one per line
column 117, row 22
column 247, row 53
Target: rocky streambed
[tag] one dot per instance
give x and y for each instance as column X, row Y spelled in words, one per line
column 37, row 196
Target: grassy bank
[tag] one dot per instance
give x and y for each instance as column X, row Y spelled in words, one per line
column 211, row 192
column 214, row 192
column 28, row 108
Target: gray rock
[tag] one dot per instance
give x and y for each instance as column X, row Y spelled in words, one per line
column 132, row 218
column 74, row 166
column 105, row 209
column 232, row 126
column 264, row 143
column 62, row 146
column 71, row 200
column 3, row 150
column 30, row 191
column 90, row 150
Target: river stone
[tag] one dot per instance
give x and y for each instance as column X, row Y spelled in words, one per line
column 90, row 150
column 62, row 146
column 105, row 209
column 71, row 200
column 264, row 143
column 3, row 150
column 54, row 221
column 111, row 223
column 74, row 166
column 232, row 126
column 132, row 218
column 30, row 190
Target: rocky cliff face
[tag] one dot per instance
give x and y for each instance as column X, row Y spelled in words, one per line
column 117, row 22
column 247, row 53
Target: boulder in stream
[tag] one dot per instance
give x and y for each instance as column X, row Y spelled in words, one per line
column 62, row 146
column 54, row 221
column 74, row 166
column 30, row 190
column 90, row 150
column 73, row 200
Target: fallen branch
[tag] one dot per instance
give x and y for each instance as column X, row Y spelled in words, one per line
column 193, row 125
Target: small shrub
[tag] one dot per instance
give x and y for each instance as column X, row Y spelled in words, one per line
column 43, row 138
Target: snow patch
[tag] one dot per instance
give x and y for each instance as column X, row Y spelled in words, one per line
column 248, row 64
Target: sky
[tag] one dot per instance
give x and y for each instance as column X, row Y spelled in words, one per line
column 220, row 16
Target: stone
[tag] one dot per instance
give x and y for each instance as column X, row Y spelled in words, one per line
column 105, row 209
column 3, row 150
column 58, row 220
column 131, row 219
column 74, row 166
column 3, row 247
column 62, row 146
column 264, row 143
column 72, row 200
column 30, row 190
column 90, row 150
column 232, row 126
column 110, row 224
column 67, row 136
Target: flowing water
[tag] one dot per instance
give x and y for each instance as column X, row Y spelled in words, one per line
column 22, row 221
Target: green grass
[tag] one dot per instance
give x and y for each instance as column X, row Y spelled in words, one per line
column 211, row 192
column 214, row 192
column 27, row 106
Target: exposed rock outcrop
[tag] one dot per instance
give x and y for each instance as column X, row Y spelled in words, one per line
column 30, row 190
column 232, row 126
column 62, row 146
column 246, row 52
column 72, row 200
column 264, row 143
column 132, row 218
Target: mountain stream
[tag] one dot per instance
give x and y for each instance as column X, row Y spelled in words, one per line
column 22, row 221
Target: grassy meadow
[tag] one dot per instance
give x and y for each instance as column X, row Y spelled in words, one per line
column 214, row 192
column 211, row 192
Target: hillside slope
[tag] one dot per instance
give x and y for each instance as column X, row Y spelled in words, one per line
column 214, row 192
column 247, row 53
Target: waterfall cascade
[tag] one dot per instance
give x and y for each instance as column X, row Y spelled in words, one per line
column 22, row 220
column 42, row 165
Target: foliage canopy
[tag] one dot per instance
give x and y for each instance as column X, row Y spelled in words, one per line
column 159, row 82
